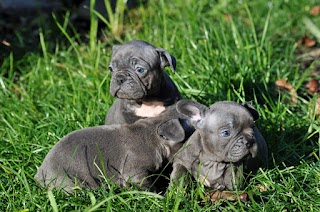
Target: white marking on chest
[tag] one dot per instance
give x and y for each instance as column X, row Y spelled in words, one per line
column 150, row 109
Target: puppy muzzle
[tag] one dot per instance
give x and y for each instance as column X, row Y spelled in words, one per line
column 241, row 148
column 127, row 85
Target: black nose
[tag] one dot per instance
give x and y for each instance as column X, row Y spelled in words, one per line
column 121, row 79
column 249, row 142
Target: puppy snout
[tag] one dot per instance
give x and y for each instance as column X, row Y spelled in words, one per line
column 121, row 78
column 249, row 142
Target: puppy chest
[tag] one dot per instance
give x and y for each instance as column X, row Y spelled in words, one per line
column 149, row 109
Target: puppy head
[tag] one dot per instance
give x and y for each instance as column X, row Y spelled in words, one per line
column 173, row 126
column 226, row 129
column 137, row 69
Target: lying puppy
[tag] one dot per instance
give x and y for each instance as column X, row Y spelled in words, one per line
column 124, row 153
column 224, row 140
column 139, row 82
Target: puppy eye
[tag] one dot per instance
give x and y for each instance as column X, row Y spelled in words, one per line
column 110, row 69
column 164, row 137
column 225, row 133
column 140, row 70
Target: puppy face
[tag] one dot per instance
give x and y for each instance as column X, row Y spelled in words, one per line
column 226, row 129
column 136, row 69
column 228, row 132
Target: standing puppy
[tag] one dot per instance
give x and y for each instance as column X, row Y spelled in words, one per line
column 139, row 82
column 225, row 140
column 124, row 153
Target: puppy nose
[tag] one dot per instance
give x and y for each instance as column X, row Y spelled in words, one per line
column 249, row 142
column 121, row 79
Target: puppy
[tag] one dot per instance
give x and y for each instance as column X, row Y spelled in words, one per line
column 139, row 82
column 226, row 143
column 126, row 154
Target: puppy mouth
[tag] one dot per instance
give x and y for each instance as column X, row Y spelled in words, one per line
column 127, row 86
column 240, row 150
column 122, row 94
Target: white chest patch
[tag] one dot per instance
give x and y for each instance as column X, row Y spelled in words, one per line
column 150, row 109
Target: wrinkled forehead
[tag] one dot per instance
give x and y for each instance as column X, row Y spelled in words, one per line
column 229, row 115
column 146, row 53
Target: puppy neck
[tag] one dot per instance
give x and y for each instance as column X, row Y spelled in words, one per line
column 167, row 92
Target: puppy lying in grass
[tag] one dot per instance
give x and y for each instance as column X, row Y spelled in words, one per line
column 126, row 154
column 226, row 143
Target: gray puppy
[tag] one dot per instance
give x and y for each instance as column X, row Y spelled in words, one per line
column 139, row 82
column 124, row 153
column 225, row 143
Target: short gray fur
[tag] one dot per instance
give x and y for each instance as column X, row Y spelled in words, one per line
column 225, row 145
column 124, row 153
column 131, row 87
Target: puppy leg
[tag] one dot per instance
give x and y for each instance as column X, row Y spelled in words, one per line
column 49, row 176
column 138, row 178
column 178, row 171
column 233, row 177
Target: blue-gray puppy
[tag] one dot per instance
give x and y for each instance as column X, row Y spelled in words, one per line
column 126, row 154
column 226, row 143
column 138, row 80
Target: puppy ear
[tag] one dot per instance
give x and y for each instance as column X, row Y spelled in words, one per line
column 194, row 111
column 166, row 59
column 252, row 110
column 172, row 130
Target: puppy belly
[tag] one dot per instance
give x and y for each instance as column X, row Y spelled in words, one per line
column 150, row 109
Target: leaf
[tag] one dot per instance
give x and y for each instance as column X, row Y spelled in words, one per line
column 216, row 195
column 306, row 41
column 282, row 83
column 315, row 10
column 313, row 86
column 6, row 43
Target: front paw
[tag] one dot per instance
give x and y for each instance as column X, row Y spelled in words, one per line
column 204, row 180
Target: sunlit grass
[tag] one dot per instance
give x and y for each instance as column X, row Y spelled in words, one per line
column 225, row 50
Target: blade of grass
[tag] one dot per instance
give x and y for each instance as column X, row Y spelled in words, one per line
column 93, row 28
column 53, row 201
column 71, row 41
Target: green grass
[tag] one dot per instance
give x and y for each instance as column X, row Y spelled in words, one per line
column 225, row 50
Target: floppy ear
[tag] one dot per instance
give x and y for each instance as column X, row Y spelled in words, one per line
column 194, row 111
column 172, row 130
column 166, row 59
column 252, row 110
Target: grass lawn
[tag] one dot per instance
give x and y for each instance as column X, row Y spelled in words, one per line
column 225, row 50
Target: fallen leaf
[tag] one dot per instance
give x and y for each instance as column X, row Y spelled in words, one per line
column 313, row 86
column 282, row 83
column 216, row 195
column 315, row 10
column 6, row 43
column 306, row 41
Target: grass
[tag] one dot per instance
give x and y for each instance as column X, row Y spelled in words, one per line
column 225, row 50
